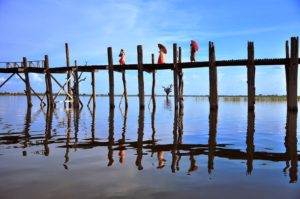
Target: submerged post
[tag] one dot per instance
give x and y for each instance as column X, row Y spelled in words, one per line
column 153, row 82
column 293, row 74
column 49, row 93
column 27, row 82
column 213, row 82
column 251, row 76
column 141, row 76
column 175, row 75
column 111, row 78
column 68, row 74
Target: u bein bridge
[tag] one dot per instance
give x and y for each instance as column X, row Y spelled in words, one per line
column 117, row 147
column 74, row 73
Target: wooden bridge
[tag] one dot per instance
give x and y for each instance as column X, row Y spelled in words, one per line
column 290, row 62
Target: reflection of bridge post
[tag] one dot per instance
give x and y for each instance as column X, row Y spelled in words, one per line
column 110, row 136
column 153, row 126
column 49, row 118
column 213, row 123
column 68, row 112
column 123, row 140
column 139, row 157
column 250, row 140
column 175, row 141
column 26, row 129
column 93, row 114
column 291, row 146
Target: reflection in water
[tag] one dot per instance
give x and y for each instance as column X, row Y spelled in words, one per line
column 291, row 146
column 48, row 129
column 139, row 149
column 122, row 141
column 250, row 141
column 26, row 130
column 68, row 133
column 168, row 104
column 175, row 141
column 213, row 123
column 110, row 136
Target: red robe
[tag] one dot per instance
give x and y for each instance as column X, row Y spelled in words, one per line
column 161, row 58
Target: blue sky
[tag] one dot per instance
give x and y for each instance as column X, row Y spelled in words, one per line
column 33, row 28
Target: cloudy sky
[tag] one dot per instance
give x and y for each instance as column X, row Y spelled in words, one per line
column 33, row 28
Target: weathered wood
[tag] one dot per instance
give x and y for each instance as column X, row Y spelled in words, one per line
column 153, row 83
column 141, row 77
column 293, row 75
column 180, row 75
column 27, row 83
column 93, row 89
column 212, row 140
column 251, row 76
column 175, row 75
column 125, row 88
column 76, row 87
column 111, row 78
column 213, row 81
column 139, row 148
column 49, row 94
column 287, row 73
column 250, row 140
column 68, row 74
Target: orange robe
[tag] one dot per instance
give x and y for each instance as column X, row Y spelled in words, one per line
column 161, row 58
column 122, row 59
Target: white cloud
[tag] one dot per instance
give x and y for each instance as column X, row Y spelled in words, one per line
column 36, row 77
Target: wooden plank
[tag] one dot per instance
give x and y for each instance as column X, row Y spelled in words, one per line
column 27, row 83
column 251, row 76
column 213, row 81
column 141, row 77
column 175, row 75
column 111, row 78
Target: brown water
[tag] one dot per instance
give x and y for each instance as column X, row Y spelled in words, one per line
column 148, row 154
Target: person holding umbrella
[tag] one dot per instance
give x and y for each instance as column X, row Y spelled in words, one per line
column 162, row 52
column 194, row 48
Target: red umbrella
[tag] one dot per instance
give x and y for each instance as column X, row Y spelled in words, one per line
column 163, row 48
column 195, row 45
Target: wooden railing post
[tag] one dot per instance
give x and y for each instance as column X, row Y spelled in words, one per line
column 49, row 93
column 141, row 76
column 68, row 75
column 213, row 81
column 251, row 76
column 293, row 75
column 111, row 78
column 175, row 75
column 27, row 82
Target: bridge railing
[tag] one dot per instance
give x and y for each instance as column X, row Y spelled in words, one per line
column 32, row 64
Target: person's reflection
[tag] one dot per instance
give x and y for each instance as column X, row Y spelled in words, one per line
column 123, row 140
column 161, row 159
column 49, row 118
column 110, row 136
column 26, row 130
column 139, row 157
column 68, row 131
column 168, row 105
column 213, row 123
column 193, row 164
column 250, row 141
column 175, row 141
column 291, row 146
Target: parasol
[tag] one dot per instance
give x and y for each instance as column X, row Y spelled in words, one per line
column 163, row 48
column 195, row 45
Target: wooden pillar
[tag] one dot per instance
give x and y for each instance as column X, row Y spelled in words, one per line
column 175, row 75
column 153, row 83
column 49, row 93
column 250, row 141
column 293, row 75
column 287, row 73
column 139, row 147
column 93, row 89
column 76, row 88
column 180, row 81
column 111, row 78
column 69, row 74
column 212, row 140
column 251, row 76
column 125, row 88
column 213, row 81
column 141, row 76
column 27, row 82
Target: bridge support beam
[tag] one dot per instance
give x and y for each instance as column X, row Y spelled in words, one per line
column 27, row 82
column 251, row 76
column 213, row 81
column 141, row 76
column 111, row 78
column 175, row 75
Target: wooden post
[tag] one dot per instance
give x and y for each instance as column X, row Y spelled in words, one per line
column 139, row 147
column 76, row 87
column 293, row 75
column 212, row 140
column 49, row 93
column 153, row 83
column 180, row 81
column 93, row 89
column 250, row 140
column 141, row 76
column 27, row 82
column 69, row 74
column 287, row 73
column 251, row 76
column 175, row 75
column 213, row 81
column 111, row 78
column 125, row 88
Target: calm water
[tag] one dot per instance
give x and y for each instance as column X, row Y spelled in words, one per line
column 148, row 154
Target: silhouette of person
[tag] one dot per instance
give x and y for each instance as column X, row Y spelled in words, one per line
column 122, row 57
column 193, row 53
column 162, row 52
column 161, row 160
column 193, row 165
